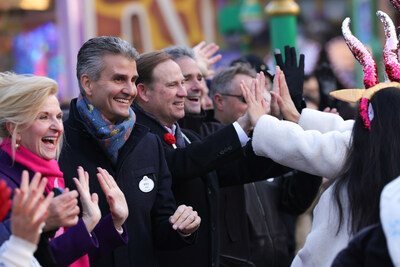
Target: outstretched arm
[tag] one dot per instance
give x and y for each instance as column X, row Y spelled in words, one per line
column 311, row 151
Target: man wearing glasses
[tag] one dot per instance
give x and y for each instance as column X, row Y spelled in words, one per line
column 260, row 236
column 227, row 94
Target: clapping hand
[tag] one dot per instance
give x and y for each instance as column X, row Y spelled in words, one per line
column 90, row 203
column 185, row 219
column 64, row 211
column 115, row 198
column 30, row 208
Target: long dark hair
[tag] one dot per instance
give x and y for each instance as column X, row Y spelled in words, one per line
column 372, row 161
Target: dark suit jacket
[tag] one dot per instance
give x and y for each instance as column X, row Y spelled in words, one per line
column 368, row 248
column 198, row 170
column 142, row 155
column 257, row 235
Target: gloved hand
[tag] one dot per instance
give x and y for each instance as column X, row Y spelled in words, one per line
column 294, row 74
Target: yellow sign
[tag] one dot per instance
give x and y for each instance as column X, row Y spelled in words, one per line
column 156, row 24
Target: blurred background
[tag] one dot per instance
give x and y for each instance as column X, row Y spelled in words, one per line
column 43, row 37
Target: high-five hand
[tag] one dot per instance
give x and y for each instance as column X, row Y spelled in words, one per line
column 286, row 105
column 256, row 105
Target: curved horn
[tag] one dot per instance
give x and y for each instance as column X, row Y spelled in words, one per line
column 362, row 55
column 396, row 4
column 391, row 49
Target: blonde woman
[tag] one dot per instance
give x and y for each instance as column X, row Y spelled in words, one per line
column 32, row 129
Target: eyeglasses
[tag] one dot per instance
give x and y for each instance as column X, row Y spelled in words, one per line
column 240, row 97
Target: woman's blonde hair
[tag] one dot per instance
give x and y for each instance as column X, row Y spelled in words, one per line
column 21, row 100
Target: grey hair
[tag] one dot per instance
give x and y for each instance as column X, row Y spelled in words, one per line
column 222, row 81
column 91, row 54
column 178, row 52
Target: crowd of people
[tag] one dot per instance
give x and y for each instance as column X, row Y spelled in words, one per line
column 163, row 161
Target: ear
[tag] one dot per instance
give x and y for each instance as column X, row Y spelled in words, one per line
column 85, row 82
column 218, row 100
column 10, row 128
column 143, row 92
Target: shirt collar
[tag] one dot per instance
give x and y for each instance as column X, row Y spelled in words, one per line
column 171, row 131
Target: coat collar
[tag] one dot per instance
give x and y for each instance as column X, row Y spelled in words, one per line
column 11, row 169
column 150, row 121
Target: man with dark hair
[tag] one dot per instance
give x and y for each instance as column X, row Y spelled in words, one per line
column 198, row 167
column 101, row 131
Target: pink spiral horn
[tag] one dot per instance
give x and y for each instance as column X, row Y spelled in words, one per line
column 391, row 49
column 362, row 55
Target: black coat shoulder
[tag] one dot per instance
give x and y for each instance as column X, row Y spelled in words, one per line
column 368, row 249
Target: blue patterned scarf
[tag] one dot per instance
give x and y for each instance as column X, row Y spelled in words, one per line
column 110, row 136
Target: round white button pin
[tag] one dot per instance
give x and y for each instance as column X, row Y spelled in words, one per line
column 146, row 184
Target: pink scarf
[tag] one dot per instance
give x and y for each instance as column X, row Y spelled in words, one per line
column 48, row 169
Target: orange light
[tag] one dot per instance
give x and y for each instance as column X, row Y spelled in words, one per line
column 34, row 4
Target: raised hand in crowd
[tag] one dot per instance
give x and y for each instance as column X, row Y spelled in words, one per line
column 91, row 213
column 30, row 208
column 5, row 201
column 205, row 57
column 294, row 73
column 256, row 104
column 115, row 198
column 64, row 211
column 280, row 94
column 275, row 110
column 331, row 110
column 185, row 220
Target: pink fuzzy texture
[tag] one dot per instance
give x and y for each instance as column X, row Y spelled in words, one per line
column 362, row 54
column 363, row 109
